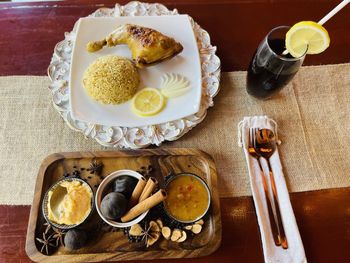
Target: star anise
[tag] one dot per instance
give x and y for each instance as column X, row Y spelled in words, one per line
column 58, row 236
column 149, row 234
column 95, row 167
column 146, row 234
column 47, row 227
column 45, row 243
column 146, row 171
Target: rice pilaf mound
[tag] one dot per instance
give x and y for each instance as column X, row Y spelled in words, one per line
column 111, row 79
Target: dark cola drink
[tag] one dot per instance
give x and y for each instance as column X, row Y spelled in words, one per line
column 270, row 69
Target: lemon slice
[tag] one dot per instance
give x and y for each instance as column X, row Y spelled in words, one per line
column 147, row 102
column 306, row 36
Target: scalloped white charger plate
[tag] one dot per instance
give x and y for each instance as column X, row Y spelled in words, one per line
column 121, row 136
column 187, row 63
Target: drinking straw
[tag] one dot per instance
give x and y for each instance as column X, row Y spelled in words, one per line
column 333, row 12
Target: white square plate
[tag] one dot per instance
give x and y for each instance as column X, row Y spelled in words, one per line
column 187, row 63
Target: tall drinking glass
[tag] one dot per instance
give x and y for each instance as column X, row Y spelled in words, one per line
column 270, row 70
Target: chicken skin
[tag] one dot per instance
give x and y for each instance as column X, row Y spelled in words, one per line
column 148, row 46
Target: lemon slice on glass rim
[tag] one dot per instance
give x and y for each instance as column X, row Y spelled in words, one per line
column 148, row 102
column 307, row 37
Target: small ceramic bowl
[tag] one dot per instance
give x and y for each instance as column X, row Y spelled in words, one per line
column 59, row 191
column 172, row 177
column 101, row 191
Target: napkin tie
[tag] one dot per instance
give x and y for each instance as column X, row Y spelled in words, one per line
column 272, row 253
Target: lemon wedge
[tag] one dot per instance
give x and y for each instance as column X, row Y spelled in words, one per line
column 306, row 36
column 147, row 102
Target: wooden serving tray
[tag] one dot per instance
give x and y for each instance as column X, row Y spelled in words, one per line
column 114, row 245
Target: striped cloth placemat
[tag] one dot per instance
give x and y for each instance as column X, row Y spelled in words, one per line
column 312, row 112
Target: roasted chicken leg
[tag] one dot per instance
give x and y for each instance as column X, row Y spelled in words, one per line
column 147, row 45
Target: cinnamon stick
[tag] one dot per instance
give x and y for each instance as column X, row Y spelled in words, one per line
column 137, row 191
column 147, row 191
column 144, row 205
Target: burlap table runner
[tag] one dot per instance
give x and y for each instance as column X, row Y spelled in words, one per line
column 313, row 116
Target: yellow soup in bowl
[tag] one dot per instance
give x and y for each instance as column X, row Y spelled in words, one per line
column 188, row 198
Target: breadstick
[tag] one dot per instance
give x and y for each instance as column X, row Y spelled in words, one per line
column 147, row 191
column 137, row 191
column 144, row 205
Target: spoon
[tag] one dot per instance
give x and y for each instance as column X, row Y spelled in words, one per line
column 251, row 149
column 265, row 147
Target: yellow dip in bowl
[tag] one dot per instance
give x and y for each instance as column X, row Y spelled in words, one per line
column 69, row 202
column 188, row 198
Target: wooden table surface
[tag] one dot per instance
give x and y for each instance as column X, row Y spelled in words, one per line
column 29, row 31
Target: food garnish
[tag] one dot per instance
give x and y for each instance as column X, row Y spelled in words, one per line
column 166, row 232
column 196, row 228
column 179, row 235
column 200, row 222
column 145, row 170
column 148, row 46
column 160, row 223
column 136, row 230
column 150, row 234
column 95, row 167
column 46, row 242
column 307, row 37
column 148, row 102
column 174, row 85
column 58, row 235
column 183, row 237
column 48, row 227
column 176, row 235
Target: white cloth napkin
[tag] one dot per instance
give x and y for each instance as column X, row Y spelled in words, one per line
column 272, row 253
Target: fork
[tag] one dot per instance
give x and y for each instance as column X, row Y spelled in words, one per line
column 265, row 146
column 255, row 155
